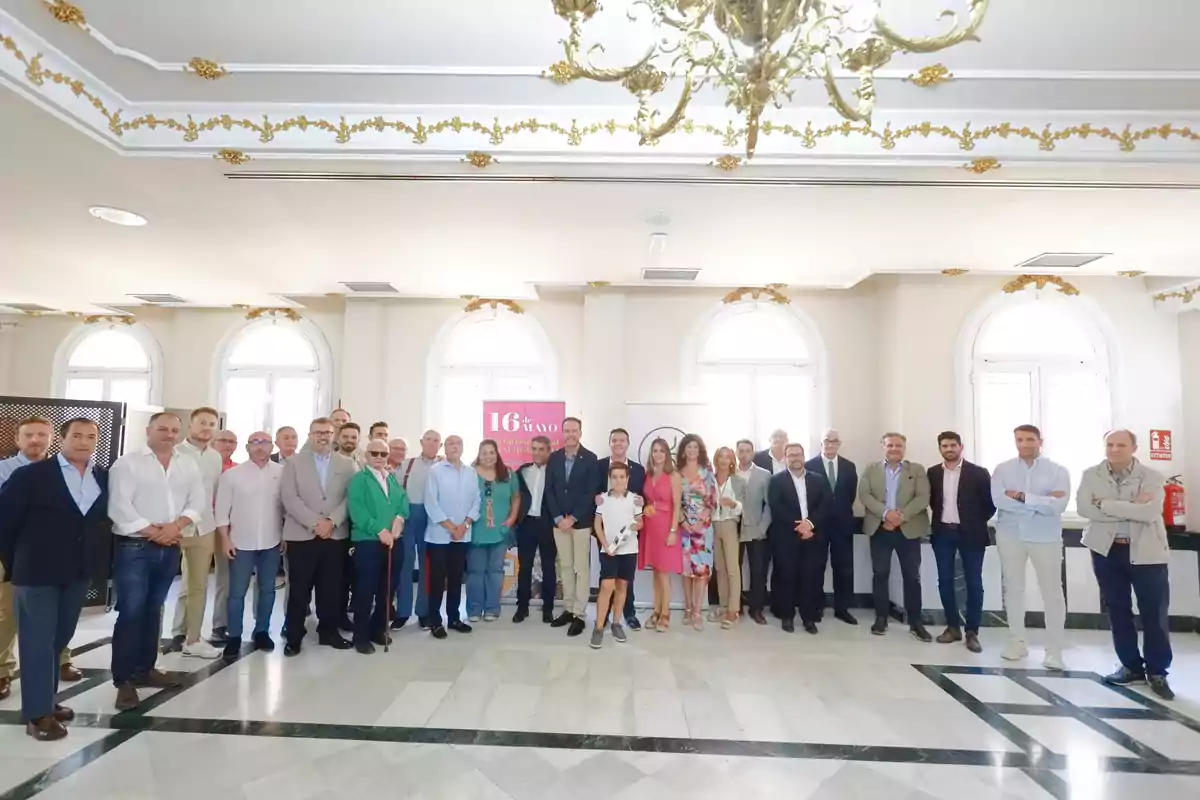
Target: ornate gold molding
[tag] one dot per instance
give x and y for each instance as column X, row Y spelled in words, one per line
column 475, row 303
column 726, row 163
column 982, row 165
column 772, row 292
column 65, row 13
column 234, row 157
column 1185, row 295
column 1131, row 273
column 253, row 312
column 599, row 284
column 203, row 68
column 560, row 72
column 930, row 76
column 1039, row 282
column 477, row 159
column 112, row 319
column 954, row 272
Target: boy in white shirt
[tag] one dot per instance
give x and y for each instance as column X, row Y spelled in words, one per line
column 618, row 519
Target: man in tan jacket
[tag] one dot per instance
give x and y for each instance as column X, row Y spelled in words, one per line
column 1122, row 500
column 895, row 494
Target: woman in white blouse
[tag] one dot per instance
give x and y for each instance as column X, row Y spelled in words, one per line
column 731, row 491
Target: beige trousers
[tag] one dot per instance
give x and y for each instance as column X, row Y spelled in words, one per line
column 8, row 631
column 193, row 587
column 725, row 561
column 574, row 568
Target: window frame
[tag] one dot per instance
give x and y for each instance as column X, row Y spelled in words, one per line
column 63, row 372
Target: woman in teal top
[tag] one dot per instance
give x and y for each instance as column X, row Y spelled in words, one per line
column 378, row 507
column 499, row 505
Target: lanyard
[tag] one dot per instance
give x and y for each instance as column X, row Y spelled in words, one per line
column 407, row 472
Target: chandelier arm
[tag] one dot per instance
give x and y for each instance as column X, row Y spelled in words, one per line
column 571, row 46
column 652, row 134
column 932, row 44
column 783, row 20
column 860, row 114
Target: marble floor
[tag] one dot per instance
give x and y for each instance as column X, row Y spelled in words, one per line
column 521, row 711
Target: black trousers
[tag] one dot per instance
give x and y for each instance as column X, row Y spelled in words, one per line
column 841, row 557
column 536, row 536
column 883, row 544
column 758, row 553
column 371, row 590
column 446, row 564
column 316, row 563
column 799, row 566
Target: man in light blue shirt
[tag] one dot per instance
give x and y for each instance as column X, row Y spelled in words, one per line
column 452, row 505
column 1030, row 493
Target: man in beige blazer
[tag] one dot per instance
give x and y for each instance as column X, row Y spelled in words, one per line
column 315, row 530
column 895, row 494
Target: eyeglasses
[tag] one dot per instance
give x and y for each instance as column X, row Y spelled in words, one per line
column 259, row 441
column 487, row 488
column 378, row 453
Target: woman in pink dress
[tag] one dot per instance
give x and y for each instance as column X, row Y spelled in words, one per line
column 658, row 548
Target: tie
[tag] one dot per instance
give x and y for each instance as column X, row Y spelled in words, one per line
column 831, row 474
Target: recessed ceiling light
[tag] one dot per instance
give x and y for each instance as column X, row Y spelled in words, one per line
column 117, row 216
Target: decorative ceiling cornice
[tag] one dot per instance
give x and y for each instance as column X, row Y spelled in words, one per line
column 476, row 303
column 1039, row 282
column 981, row 165
column 478, row 159
column 727, row 163
column 772, row 292
column 955, row 272
column 254, row 312
column 234, row 157
column 930, row 76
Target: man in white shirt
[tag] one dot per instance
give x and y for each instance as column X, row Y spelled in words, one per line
column 413, row 475
column 773, row 459
column 535, row 534
column 249, row 518
column 155, row 494
column 200, row 543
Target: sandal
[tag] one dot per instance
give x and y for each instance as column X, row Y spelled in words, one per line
column 728, row 622
column 698, row 621
column 715, row 615
column 664, row 623
column 652, row 620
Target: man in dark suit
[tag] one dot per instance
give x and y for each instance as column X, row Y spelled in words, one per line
column 535, row 533
column 572, row 475
column 54, row 532
column 286, row 440
column 801, row 504
column 618, row 445
column 773, row 459
column 960, row 495
column 842, row 478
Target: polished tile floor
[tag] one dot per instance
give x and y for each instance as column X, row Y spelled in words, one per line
column 524, row 712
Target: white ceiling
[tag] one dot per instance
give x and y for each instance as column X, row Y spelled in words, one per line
column 216, row 241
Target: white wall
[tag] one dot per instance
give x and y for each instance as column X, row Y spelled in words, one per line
column 891, row 346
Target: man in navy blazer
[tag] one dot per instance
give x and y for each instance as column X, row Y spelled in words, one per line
column 571, row 481
column 798, row 531
column 842, row 477
column 535, row 533
column 618, row 445
column 53, row 525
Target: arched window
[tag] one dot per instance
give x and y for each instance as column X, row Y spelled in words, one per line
column 273, row 373
column 1042, row 361
column 759, row 366
column 120, row 364
column 487, row 355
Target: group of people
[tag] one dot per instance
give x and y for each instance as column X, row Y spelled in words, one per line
column 350, row 524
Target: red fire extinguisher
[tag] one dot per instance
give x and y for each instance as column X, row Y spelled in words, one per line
column 1174, row 504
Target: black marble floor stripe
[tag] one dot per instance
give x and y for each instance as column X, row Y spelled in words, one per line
column 68, row 766
column 1031, row 710
column 90, row 646
column 1051, row 783
column 958, row 669
column 1163, row 710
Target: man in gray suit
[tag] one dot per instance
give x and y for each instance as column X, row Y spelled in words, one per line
column 315, row 529
column 895, row 494
column 756, row 518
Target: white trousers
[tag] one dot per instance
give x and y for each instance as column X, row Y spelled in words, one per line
column 1047, row 560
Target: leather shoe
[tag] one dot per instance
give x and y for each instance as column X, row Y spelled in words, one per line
column 175, row 645
column 949, row 636
column 63, row 714
column 366, row 648
column 920, row 633
column 758, row 617
column 5, row 688
column 438, row 632
column 548, row 616
column 789, row 626
column 335, row 641
column 45, row 729
column 398, row 623
column 880, row 627
column 345, row 624
column 521, row 615
column 291, row 650
column 810, row 627
column 156, row 679
column 127, row 697
column 846, row 617
column 264, row 642
column 459, row 626
column 69, row 673
column 577, row 626
column 973, row 642
column 565, row 618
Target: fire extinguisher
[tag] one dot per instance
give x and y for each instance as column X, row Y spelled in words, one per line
column 1174, row 504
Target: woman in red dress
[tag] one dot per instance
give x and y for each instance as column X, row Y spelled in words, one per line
column 659, row 548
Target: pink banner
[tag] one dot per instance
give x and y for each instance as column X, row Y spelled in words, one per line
column 512, row 423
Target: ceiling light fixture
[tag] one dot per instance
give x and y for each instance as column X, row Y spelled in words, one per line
column 754, row 49
column 117, row 216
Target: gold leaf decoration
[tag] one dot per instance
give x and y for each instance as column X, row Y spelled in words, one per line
column 203, row 68
column 112, row 319
column 772, row 292
column 253, row 312
column 66, row 13
column 982, row 165
column 727, row 163
column 930, row 76
column 1185, row 295
column 1039, row 282
column 1131, row 273
column 560, row 72
column 954, row 272
column 599, row 284
column 478, row 159
column 475, row 303
column 234, row 157
column 645, row 79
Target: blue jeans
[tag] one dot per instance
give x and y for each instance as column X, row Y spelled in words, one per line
column 485, row 578
column 1117, row 577
column 264, row 564
column 142, row 576
column 945, row 545
column 46, row 620
column 411, row 548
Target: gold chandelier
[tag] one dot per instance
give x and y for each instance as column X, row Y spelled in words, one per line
column 754, row 49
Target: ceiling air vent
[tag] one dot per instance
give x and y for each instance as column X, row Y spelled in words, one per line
column 27, row 307
column 663, row 274
column 1061, row 260
column 159, row 299
column 370, row 287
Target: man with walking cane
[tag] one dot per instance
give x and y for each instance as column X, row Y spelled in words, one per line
column 378, row 506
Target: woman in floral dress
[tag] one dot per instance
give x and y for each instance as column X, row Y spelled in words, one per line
column 698, row 502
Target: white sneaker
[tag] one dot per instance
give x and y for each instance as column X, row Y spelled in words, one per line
column 1054, row 661
column 201, row 649
column 490, row 617
column 1015, row 650
column 473, row 618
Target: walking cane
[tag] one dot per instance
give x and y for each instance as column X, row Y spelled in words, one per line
column 387, row 610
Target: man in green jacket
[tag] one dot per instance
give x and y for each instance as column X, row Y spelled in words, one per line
column 378, row 506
